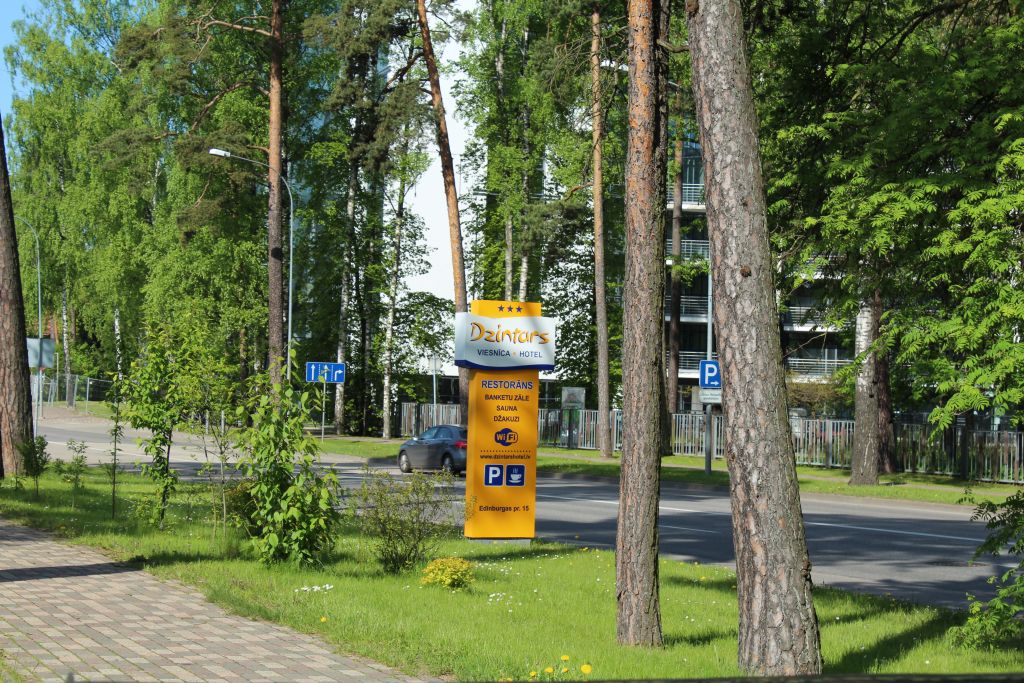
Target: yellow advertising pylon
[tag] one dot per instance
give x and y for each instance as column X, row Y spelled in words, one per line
column 501, row 469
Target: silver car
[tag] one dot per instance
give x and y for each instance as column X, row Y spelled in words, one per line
column 442, row 447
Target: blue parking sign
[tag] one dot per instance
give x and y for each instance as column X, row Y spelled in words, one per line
column 710, row 374
column 493, row 475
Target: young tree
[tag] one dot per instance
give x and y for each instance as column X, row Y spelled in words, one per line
column 643, row 381
column 15, row 395
column 778, row 627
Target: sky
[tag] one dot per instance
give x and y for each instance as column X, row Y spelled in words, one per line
column 427, row 198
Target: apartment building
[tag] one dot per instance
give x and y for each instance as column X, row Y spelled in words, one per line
column 812, row 349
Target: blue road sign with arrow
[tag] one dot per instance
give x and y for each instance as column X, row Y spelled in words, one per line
column 331, row 373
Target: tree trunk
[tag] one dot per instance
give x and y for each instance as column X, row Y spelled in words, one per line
column 604, row 436
column 275, row 281
column 15, row 393
column 448, row 174
column 524, row 272
column 778, row 627
column 508, row 257
column 389, row 330
column 118, row 350
column 65, row 323
column 866, row 414
column 672, row 374
column 342, row 351
column 886, row 434
column 639, row 611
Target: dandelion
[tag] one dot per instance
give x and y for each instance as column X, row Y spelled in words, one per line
column 323, row 619
column 564, row 670
column 565, row 658
column 586, row 669
column 549, row 670
column 533, row 674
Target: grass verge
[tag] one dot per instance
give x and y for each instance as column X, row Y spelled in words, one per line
column 688, row 469
column 529, row 606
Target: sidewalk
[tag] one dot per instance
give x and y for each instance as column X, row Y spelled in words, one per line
column 69, row 610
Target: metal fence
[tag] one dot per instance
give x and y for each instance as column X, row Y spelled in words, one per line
column 920, row 448
column 75, row 391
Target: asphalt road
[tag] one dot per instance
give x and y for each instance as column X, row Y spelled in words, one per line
column 915, row 551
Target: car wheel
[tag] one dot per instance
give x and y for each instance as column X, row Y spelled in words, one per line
column 403, row 462
column 447, row 464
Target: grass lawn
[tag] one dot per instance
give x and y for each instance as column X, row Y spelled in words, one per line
column 689, row 469
column 530, row 604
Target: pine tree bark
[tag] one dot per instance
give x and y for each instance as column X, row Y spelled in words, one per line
column 778, row 627
column 638, row 619
column 866, row 414
column 15, row 392
column 676, row 290
column 448, row 175
column 604, row 407
column 275, row 258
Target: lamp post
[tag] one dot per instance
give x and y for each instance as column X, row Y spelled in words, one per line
column 39, row 313
column 291, row 230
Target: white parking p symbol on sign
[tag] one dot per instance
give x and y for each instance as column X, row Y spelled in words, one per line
column 710, row 375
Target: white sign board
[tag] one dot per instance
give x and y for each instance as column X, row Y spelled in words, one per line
column 47, row 355
column 519, row 343
column 574, row 397
column 711, row 396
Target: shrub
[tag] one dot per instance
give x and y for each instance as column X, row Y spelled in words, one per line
column 997, row 621
column 34, row 459
column 294, row 513
column 407, row 517
column 241, row 508
column 73, row 471
column 450, row 572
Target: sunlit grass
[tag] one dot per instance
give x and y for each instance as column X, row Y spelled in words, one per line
column 529, row 606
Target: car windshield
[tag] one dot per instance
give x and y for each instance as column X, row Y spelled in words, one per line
column 463, row 434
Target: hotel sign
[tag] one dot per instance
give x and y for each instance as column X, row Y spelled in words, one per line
column 517, row 342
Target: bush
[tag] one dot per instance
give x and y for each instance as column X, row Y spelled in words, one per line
column 997, row 621
column 34, row 459
column 406, row 516
column 294, row 513
column 241, row 508
column 450, row 572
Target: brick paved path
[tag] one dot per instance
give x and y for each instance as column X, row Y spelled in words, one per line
column 70, row 610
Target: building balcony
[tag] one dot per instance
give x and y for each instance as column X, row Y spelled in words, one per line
column 692, row 199
column 689, row 249
column 807, row 368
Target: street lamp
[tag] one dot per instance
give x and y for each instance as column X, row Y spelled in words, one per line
column 39, row 312
column 291, row 230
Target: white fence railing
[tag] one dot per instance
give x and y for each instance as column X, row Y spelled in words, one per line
column 975, row 454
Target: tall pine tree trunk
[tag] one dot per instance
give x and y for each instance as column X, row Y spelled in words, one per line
column 672, row 378
column 866, row 444
column 448, row 175
column 604, row 407
column 15, row 393
column 636, row 561
column 778, row 627
column 275, row 260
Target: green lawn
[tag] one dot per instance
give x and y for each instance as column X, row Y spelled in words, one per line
column 688, row 469
column 530, row 604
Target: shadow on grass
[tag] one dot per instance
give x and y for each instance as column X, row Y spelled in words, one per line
column 697, row 639
column 890, row 648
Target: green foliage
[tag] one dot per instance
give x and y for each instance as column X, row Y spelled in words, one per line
column 407, row 517
column 73, row 471
column 997, row 621
column 34, row 459
column 294, row 516
column 241, row 506
column 448, row 572
column 116, row 435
